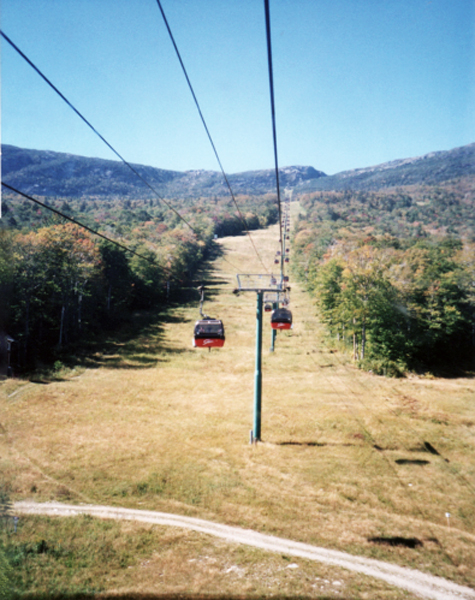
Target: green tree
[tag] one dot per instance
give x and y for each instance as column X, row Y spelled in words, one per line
column 118, row 277
column 437, row 301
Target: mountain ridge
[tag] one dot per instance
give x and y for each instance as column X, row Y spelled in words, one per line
column 429, row 169
column 50, row 173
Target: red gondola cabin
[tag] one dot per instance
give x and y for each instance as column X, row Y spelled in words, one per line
column 209, row 333
column 281, row 318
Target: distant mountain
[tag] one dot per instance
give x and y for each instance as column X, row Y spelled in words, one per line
column 430, row 169
column 56, row 174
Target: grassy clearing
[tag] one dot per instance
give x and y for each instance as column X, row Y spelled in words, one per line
column 85, row 556
column 349, row 460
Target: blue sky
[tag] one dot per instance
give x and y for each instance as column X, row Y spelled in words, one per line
column 357, row 82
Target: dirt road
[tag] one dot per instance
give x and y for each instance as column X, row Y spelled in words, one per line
column 416, row 582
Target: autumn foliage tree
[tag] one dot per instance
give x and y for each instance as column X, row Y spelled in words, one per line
column 55, row 271
column 398, row 308
column 61, row 284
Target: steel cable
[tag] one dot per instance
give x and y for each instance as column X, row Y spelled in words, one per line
column 207, row 131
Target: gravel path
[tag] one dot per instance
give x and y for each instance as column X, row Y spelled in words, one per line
column 416, row 582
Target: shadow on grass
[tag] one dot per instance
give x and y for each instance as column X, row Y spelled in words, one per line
column 121, row 362
column 46, row 377
column 424, row 447
column 449, row 369
column 396, row 540
column 300, row 444
column 412, row 461
column 136, row 344
column 313, row 444
column 428, row 447
column 213, row 288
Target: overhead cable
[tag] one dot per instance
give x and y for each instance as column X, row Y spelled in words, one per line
column 126, row 248
column 207, row 130
column 274, row 133
column 23, row 55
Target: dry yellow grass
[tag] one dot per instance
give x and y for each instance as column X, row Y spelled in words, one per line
column 346, row 456
column 131, row 560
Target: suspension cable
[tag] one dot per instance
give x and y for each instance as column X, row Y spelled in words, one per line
column 207, row 131
column 274, row 133
column 15, row 47
column 23, row 55
column 126, row 248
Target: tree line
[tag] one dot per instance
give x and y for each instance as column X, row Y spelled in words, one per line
column 397, row 303
column 60, row 284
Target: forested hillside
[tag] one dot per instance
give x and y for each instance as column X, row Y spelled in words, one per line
column 393, row 273
column 391, row 267
column 61, row 284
